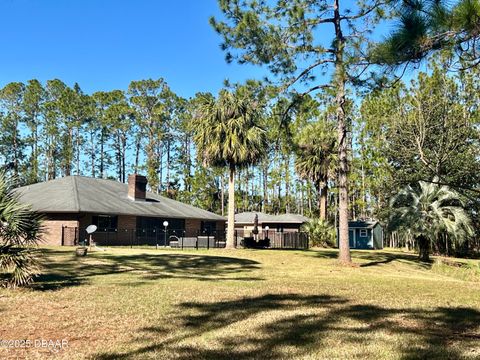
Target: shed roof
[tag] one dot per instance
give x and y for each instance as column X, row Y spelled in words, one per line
column 367, row 224
column 75, row 194
column 249, row 217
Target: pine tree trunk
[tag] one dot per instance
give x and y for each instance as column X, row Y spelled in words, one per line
column 309, row 195
column 35, row 151
column 231, row 209
column 124, row 150
column 168, row 165
column 102, row 156
column 265, row 187
column 302, row 198
column 92, row 153
column 68, row 160
column 15, row 148
column 323, row 200
column 137, row 154
column 222, row 194
column 160, row 167
column 340, row 77
column 187, row 168
column 77, row 144
column 287, row 184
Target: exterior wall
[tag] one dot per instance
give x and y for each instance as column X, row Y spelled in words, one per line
column 365, row 241
column 378, row 237
column 127, row 222
column 373, row 240
column 85, row 220
column 124, row 236
column 52, row 234
column 221, row 225
column 192, row 226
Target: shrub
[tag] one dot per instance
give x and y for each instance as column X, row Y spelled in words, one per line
column 20, row 228
column 320, row 232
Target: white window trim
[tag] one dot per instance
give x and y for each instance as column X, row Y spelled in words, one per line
column 363, row 232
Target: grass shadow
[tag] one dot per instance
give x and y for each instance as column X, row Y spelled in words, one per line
column 370, row 258
column 294, row 326
column 380, row 257
column 64, row 269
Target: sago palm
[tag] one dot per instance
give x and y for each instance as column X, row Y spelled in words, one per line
column 314, row 158
column 428, row 211
column 20, row 228
column 227, row 134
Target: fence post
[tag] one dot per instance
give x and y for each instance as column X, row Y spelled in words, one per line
column 63, row 235
column 208, row 241
column 196, row 243
column 183, row 237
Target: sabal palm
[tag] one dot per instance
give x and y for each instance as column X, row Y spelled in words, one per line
column 227, row 134
column 20, row 228
column 315, row 156
column 429, row 210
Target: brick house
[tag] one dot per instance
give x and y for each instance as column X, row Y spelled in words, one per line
column 123, row 213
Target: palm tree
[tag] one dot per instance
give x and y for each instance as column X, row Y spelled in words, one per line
column 315, row 152
column 428, row 211
column 226, row 132
column 20, row 228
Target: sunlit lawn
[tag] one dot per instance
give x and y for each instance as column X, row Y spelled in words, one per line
column 245, row 304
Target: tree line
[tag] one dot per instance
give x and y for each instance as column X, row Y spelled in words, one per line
column 52, row 130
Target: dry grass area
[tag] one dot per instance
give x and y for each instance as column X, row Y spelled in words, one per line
column 244, row 304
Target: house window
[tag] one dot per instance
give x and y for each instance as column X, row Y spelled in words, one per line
column 363, row 233
column 150, row 223
column 105, row 222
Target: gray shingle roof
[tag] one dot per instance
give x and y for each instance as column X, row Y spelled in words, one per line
column 74, row 194
column 248, row 218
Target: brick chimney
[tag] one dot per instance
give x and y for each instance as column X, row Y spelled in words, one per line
column 137, row 186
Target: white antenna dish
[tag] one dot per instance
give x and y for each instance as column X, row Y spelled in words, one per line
column 91, row 229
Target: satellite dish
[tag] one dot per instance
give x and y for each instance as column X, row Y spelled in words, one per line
column 91, row 229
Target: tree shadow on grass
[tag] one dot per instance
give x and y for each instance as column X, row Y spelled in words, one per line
column 276, row 326
column 63, row 269
column 381, row 257
column 376, row 257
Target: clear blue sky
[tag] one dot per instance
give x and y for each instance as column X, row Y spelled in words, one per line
column 104, row 44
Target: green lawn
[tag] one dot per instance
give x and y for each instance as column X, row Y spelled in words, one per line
column 245, row 304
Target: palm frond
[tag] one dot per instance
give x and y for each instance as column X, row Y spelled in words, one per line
column 20, row 230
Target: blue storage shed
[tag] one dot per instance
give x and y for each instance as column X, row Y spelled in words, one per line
column 365, row 234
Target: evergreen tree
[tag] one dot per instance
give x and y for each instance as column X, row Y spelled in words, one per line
column 289, row 37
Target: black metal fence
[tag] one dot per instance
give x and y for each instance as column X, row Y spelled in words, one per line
column 175, row 238
column 183, row 239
